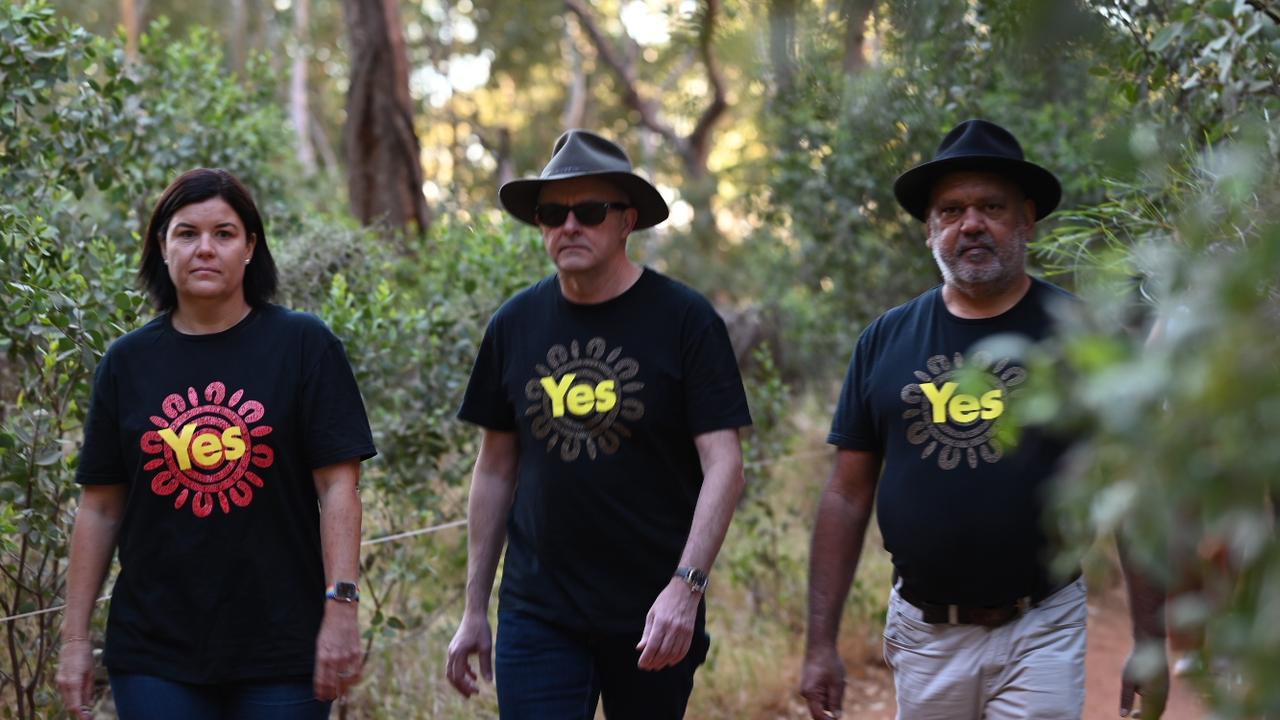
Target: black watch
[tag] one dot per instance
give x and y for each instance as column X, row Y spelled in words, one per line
column 693, row 577
column 343, row 592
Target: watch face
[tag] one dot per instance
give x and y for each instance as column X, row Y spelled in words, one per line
column 696, row 579
column 345, row 591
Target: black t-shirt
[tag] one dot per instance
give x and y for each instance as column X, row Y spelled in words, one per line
column 960, row 513
column 221, row 577
column 607, row 399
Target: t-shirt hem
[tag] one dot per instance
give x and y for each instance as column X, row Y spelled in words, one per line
column 171, row 671
column 100, row 479
column 848, row 443
column 363, row 452
column 487, row 423
column 725, row 423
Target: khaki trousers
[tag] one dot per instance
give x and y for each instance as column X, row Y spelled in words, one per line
column 1030, row 667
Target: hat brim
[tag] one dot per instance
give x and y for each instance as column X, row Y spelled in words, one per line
column 913, row 187
column 520, row 197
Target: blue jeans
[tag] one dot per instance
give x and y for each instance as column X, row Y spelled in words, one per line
column 146, row 697
column 548, row 672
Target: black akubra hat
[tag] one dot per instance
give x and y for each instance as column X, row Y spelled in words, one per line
column 579, row 153
column 985, row 147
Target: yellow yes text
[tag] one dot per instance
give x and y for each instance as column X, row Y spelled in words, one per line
column 962, row 408
column 580, row 399
column 208, row 450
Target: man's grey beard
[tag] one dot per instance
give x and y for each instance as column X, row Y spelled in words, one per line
column 992, row 279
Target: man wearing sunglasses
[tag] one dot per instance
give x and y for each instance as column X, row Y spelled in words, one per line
column 610, row 402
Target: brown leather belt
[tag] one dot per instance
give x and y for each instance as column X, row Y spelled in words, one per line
column 983, row 615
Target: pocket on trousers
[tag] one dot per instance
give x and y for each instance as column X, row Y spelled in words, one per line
column 1070, row 610
column 902, row 631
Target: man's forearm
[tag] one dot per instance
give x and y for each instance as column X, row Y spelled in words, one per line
column 1146, row 599
column 843, row 515
column 720, row 452
column 721, row 488
column 833, row 560
column 488, row 505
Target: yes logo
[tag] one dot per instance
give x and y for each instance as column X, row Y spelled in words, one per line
column 580, row 399
column 962, row 408
column 209, row 449
column 952, row 426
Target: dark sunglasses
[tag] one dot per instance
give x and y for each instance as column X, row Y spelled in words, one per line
column 588, row 213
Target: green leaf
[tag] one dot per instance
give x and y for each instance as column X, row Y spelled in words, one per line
column 1222, row 9
column 1165, row 36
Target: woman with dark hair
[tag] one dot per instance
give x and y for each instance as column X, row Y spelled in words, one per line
column 222, row 457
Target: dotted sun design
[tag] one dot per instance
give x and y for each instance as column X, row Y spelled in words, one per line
column 601, row 386
column 971, row 439
column 204, row 452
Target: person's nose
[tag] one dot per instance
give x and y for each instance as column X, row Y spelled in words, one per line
column 571, row 224
column 204, row 246
column 972, row 221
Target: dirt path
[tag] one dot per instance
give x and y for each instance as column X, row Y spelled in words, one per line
column 870, row 690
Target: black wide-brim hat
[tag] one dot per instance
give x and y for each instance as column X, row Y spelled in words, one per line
column 579, row 153
column 981, row 146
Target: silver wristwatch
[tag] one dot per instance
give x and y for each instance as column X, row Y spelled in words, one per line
column 693, row 577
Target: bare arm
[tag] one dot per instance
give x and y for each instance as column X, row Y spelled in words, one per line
column 668, row 631
column 93, row 542
column 1146, row 609
column 339, row 656
column 841, row 526
column 493, row 487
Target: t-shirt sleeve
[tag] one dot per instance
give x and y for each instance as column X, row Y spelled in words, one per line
column 714, row 398
column 101, row 460
column 486, row 402
column 334, row 424
column 853, row 427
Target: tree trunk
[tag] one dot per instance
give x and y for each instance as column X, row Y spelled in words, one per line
column 575, row 108
column 299, row 110
column 238, row 28
column 782, row 45
column 132, row 28
column 384, row 166
column 855, row 14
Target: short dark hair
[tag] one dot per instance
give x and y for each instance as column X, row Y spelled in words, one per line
column 196, row 186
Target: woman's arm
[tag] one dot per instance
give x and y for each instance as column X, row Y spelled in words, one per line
column 339, row 657
column 93, row 542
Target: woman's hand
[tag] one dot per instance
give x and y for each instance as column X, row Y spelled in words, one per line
column 339, row 657
column 75, row 677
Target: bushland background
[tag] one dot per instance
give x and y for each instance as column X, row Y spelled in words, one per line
column 376, row 132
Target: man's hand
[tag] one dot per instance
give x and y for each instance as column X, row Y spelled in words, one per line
column 1146, row 672
column 75, row 677
column 473, row 638
column 822, row 684
column 339, row 657
column 668, row 628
